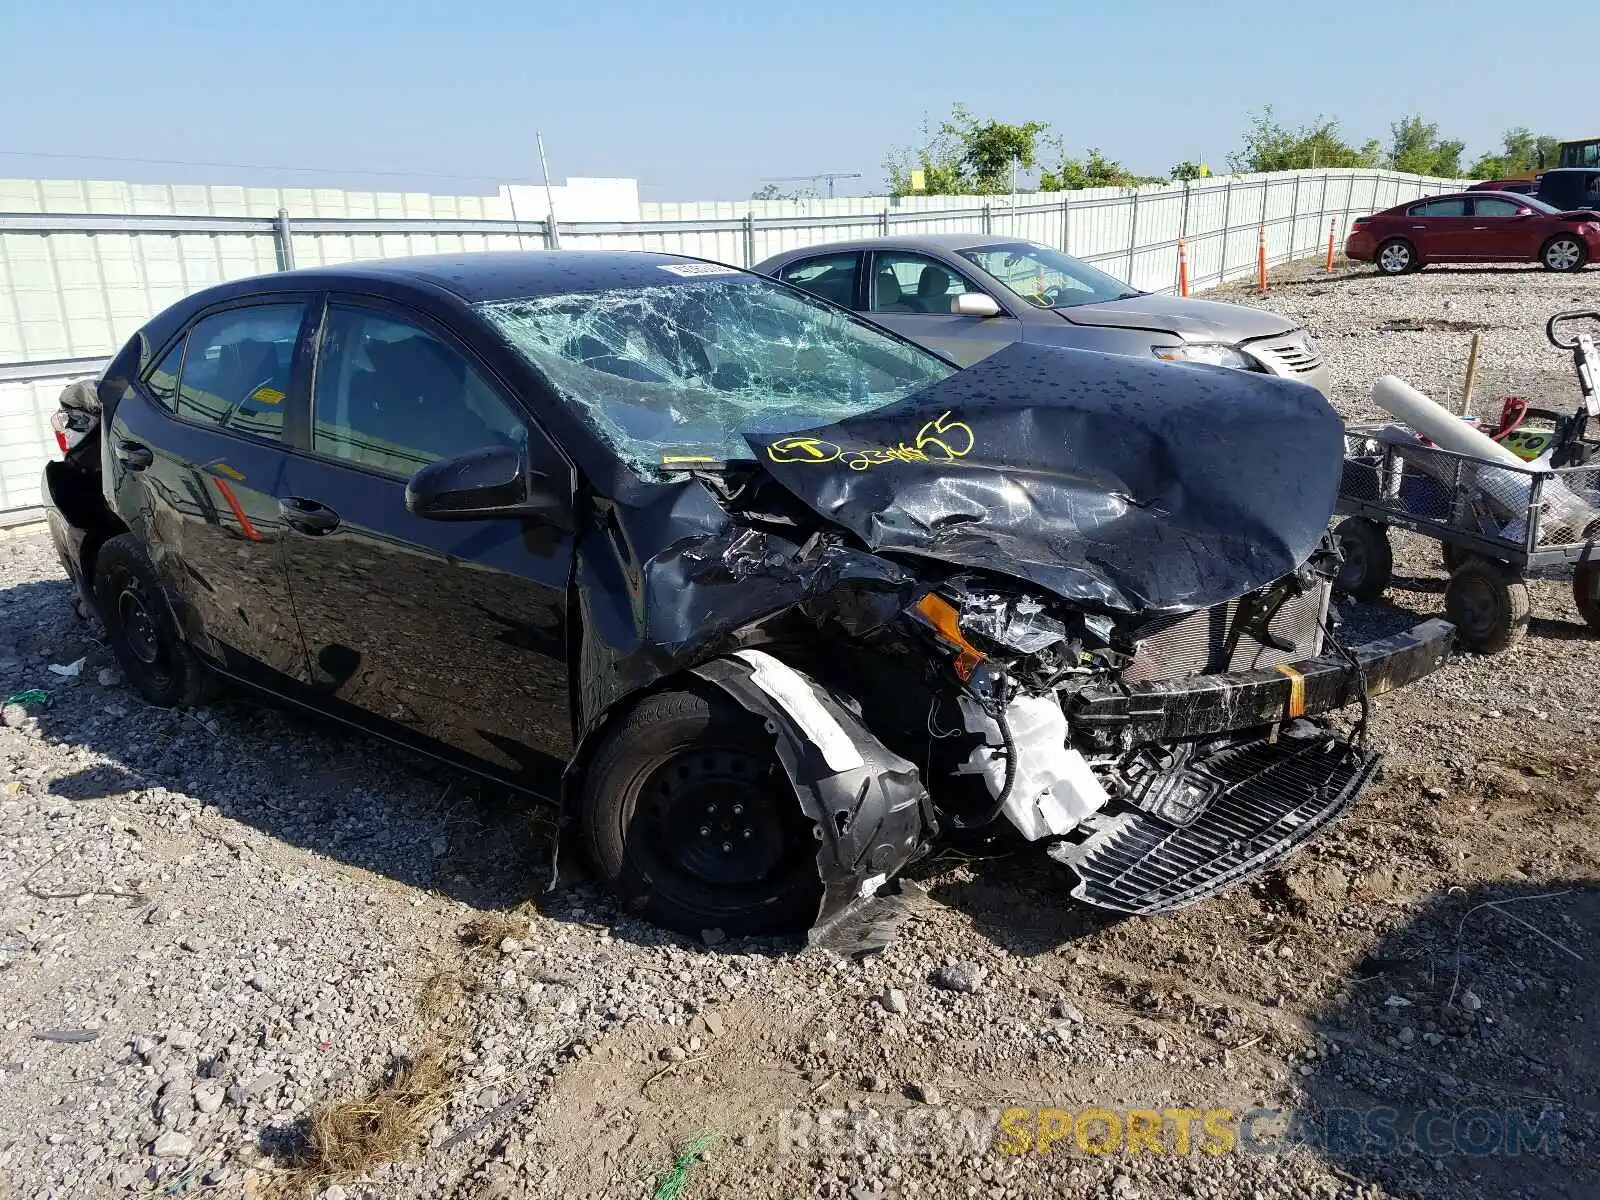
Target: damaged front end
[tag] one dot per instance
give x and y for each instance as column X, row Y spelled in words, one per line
column 1168, row 759
column 1080, row 596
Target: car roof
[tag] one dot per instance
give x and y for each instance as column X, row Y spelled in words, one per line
column 482, row 277
column 922, row 241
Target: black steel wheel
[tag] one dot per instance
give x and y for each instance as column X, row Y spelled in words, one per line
column 688, row 814
column 1487, row 602
column 1368, row 559
column 140, row 627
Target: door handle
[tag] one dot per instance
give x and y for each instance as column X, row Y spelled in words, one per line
column 134, row 456
column 307, row 516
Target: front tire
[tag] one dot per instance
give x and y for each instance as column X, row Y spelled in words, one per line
column 1563, row 253
column 1396, row 257
column 689, row 816
column 141, row 629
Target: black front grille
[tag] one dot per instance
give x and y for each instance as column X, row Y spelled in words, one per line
column 1198, row 643
column 1275, row 797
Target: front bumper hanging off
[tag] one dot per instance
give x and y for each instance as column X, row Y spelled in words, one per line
column 1271, row 794
column 1203, row 705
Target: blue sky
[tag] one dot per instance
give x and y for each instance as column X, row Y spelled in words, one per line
column 705, row 100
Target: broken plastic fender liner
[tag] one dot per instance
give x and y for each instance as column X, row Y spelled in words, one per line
column 871, row 818
column 1297, row 692
column 790, row 689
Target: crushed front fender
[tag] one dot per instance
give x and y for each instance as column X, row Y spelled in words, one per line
column 870, row 811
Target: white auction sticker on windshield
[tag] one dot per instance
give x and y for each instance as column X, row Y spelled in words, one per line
column 694, row 269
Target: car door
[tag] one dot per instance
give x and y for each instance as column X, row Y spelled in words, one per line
column 198, row 466
column 451, row 631
column 913, row 294
column 1441, row 229
column 1504, row 229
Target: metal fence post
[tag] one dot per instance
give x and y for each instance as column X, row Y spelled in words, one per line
column 283, row 241
column 988, row 221
column 1294, row 218
column 1066, row 222
column 1183, row 221
column 1227, row 216
column 883, row 223
column 1133, row 235
column 749, row 239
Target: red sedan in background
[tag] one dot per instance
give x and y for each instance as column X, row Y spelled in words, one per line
column 1475, row 227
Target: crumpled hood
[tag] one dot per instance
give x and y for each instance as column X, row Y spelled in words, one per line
column 1193, row 320
column 1130, row 487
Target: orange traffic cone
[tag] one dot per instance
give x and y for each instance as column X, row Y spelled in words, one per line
column 1261, row 259
column 1183, row 269
column 1327, row 264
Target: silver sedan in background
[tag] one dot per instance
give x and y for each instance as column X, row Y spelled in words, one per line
column 968, row 295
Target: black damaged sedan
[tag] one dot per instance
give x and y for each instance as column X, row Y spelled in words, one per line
column 764, row 596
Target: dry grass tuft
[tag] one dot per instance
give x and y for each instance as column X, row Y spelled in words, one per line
column 442, row 993
column 347, row 1138
column 488, row 930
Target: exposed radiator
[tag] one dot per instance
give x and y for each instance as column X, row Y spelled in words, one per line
column 1197, row 643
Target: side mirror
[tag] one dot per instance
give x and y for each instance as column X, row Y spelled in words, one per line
column 975, row 304
column 483, row 484
column 1524, row 212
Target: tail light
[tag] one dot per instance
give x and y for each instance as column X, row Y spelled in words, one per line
column 71, row 426
column 1359, row 222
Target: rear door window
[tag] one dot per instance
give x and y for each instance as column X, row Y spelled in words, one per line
column 392, row 396
column 832, row 276
column 1440, row 208
column 236, row 372
column 162, row 381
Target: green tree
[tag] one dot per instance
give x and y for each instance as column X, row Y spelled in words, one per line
column 1269, row 146
column 1415, row 147
column 1096, row 170
column 966, row 155
column 1186, row 170
column 1521, row 153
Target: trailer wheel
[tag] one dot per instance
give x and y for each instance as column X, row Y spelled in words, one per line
column 1454, row 556
column 1586, row 591
column 1368, row 560
column 1487, row 602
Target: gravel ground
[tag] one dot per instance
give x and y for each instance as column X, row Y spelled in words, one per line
column 214, row 922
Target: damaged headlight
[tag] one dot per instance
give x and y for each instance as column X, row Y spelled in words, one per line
column 1216, row 354
column 1021, row 625
column 976, row 625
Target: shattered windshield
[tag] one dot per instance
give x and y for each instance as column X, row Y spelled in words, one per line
column 672, row 376
column 1046, row 278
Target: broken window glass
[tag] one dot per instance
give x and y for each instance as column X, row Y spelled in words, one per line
column 674, row 375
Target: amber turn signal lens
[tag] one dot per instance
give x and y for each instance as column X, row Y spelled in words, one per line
column 944, row 619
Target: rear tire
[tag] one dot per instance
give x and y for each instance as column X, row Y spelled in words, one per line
column 1586, row 592
column 1368, row 560
column 141, row 629
column 1564, row 252
column 689, row 816
column 1487, row 602
column 1396, row 257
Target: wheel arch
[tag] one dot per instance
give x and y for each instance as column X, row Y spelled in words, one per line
column 870, row 808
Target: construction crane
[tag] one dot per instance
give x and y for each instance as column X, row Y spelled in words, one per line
column 830, row 176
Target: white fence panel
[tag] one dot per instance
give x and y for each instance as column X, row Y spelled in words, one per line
column 84, row 264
